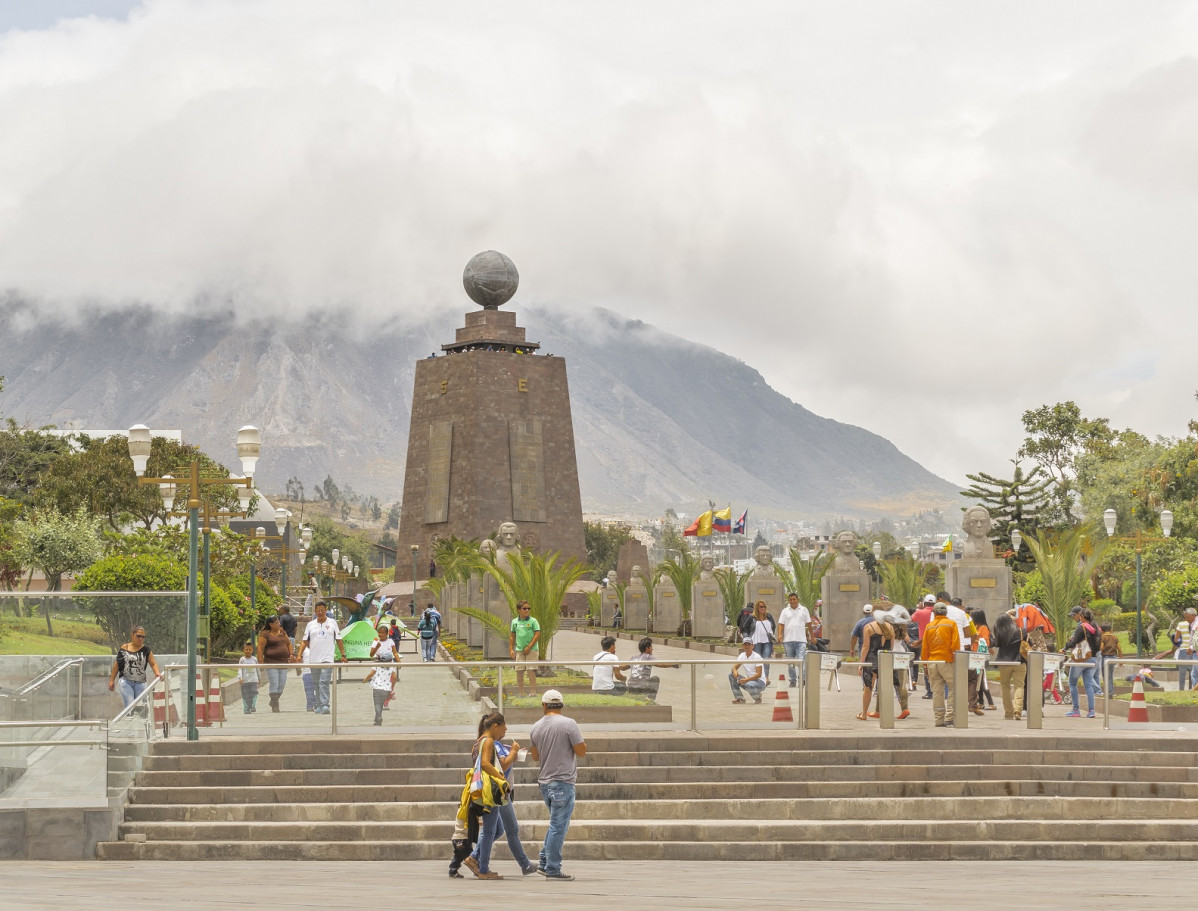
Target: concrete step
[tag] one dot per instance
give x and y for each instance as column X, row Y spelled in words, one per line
column 576, row 849
column 1054, row 808
column 303, row 778
column 621, row 791
column 641, row 758
column 1147, row 742
column 709, row 830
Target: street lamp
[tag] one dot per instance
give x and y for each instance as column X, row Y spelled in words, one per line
column 877, row 549
column 415, row 554
column 1109, row 519
column 249, row 446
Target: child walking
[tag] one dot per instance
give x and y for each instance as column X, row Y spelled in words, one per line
column 247, row 673
column 382, row 685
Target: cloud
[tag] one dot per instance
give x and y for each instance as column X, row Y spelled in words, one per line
column 922, row 220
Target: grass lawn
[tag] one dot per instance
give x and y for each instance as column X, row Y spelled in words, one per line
column 27, row 636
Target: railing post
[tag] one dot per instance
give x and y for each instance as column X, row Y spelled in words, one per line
column 79, row 711
column 694, row 701
column 1035, row 691
column 334, row 679
column 961, row 689
column 885, row 682
column 813, row 665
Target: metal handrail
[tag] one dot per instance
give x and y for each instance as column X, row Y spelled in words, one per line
column 95, row 722
column 144, row 697
column 80, row 594
column 48, row 675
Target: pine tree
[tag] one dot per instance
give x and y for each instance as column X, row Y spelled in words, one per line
column 1014, row 503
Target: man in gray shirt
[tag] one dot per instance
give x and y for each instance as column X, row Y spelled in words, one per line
column 556, row 744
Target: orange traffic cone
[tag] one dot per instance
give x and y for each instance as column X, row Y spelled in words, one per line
column 782, row 702
column 1139, row 708
column 216, row 705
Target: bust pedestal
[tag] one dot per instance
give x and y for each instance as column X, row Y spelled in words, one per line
column 768, row 588
column 636, row 607
column 707, row 610
column 667, row 610
column 844, row 595
column 982, row 583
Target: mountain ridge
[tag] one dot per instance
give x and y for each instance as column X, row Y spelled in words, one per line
column 333, row 398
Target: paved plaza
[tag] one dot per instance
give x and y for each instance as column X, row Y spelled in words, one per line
column 265, row 886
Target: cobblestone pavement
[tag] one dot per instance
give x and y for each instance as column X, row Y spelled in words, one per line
column 243, row 886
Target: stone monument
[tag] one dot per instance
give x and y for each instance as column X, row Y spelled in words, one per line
column 764, row 583
column 608, row 606
column 506, row 545
column 631, row 554
column 845, row 589
column 981, row 580
column 707, row 604
column 491, row 438
column 667, row 608
column 636, row 603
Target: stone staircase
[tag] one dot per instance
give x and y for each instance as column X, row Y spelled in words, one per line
column 801, row 796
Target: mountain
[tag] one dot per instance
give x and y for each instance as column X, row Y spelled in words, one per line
column 658, row 421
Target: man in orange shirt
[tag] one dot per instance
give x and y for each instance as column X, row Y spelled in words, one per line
column 941, row 638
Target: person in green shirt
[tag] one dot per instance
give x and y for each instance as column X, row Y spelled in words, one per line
column 526, row 633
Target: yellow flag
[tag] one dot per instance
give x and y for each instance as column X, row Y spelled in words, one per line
column 948, row 546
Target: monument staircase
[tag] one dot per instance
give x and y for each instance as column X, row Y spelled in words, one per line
column 732, row 796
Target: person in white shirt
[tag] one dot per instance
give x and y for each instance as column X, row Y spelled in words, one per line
column 322, row 636
column 747, row 673
column 607, row 676
column 247, row 674
column 794, row 629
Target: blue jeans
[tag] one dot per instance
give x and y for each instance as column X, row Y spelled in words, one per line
column 130, row 690
column 428, row 649
column 795, row 650
column 502, row 821
column 755, row 687
column 766, row 651
column 559, row 798
column 309, row 691
column 276, row 679
column 322, row 679
column 1187, row 674
column 1087, row 673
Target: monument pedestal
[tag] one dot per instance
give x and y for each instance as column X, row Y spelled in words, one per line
column 767, row 588
column 707, row 610
column 636, row 607
column 607, row 607
column 981, row 584
column 844, row 595
column 667, row 609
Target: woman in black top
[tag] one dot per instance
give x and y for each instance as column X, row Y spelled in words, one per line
column 1011, row 677
column 130, row 665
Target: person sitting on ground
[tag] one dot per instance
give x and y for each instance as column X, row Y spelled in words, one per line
column 641, row 679
column 607, row 675
column 747, row 673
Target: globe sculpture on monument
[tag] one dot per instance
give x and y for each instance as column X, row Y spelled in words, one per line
column 845, row 589
column 491, row 440
column 981, row 580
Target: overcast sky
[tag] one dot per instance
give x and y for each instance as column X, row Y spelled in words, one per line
column 921, row 218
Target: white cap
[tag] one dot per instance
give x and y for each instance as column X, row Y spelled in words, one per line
column 868, row 609
column 929, row 599
column 552, row 697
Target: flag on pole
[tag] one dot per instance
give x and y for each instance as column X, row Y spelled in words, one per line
column 700, row 528
column 948, row 546
column 739, row 527
column 722, row 520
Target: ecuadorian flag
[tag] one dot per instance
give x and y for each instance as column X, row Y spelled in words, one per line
column 722, row 520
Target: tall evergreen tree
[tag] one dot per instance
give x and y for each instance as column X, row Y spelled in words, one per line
column 1016, row 502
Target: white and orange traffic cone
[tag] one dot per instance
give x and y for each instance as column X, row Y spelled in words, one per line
column 201, row 702
column 216, row 705
column 1138, row 711
column 782, row 702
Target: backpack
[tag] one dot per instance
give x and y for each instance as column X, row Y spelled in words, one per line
column 427, row 626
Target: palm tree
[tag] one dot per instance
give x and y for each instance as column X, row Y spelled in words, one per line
column 902, row 581
column 807, row 576
column 533, row 578
column 457, row 558
column 649, row 577
column 684, row 573
column 733, row 588
column 1066, row 568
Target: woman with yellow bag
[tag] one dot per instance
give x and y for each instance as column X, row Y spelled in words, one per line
column 494, row 759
